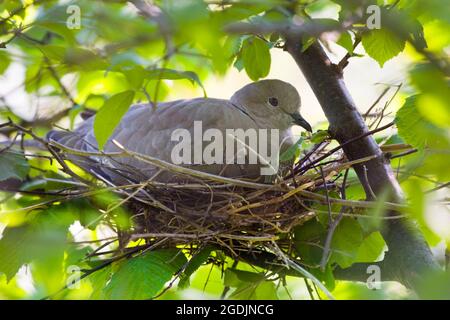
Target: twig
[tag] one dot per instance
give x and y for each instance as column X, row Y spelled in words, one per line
column 386, row 90
column 190, row 172
column 353, row 203
column 344, row 61
column 307, row 28
column 97, row 268
column 403, row 154
column 52, row 151
column 372, row 194
column 368, row 133
column 442, row 186
column 227, row 288
column 333, row 223
column 294, row 265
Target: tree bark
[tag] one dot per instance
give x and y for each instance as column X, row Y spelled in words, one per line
column 409, row 256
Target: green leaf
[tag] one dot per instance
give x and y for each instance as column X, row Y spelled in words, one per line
column 53, row 52
column 319, row 136
column 305, row 236
column 59, row 28
column 256, row 58
column 238, row 64
column 5, row 61
column 322, row 208
column 84, row 59
column 234, row 277
column 144, row 276
column 194, row 263
column 264, row 290
column 374, row 216
column 13, row 165
column 292, row 152
column 99, row 280
column 434, row 286
column 312, row 231
column 417, row 208
column 345, row 41
column 233, row 45
column 435, row 94
column 418, row 35
column 77, row 57
column 249, row 285
column 415, row 129
column 15, row 249
column 371, row 248
column 109, row 116
column 135, row 77
column 42, row 240
column 382, row 45
column 157, row 74
column 347, row 239
column 307, row 42
column 325, row 277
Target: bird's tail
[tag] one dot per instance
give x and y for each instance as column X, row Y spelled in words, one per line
column 72, row 140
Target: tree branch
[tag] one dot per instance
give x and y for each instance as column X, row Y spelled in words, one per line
column 408, row 256
column 307, row 28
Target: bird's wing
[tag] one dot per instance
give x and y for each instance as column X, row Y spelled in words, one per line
column 147, row 131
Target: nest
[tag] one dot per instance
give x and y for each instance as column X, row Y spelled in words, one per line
column 235, row 214
column 238, row 216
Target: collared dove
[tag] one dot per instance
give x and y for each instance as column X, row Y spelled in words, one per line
column 266, row 104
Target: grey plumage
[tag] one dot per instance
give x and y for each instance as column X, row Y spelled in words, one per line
column 147, row 131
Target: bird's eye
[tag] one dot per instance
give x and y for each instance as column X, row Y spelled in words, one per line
column 273, row 101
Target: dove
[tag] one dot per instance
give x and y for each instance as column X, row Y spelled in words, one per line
column 260, row 107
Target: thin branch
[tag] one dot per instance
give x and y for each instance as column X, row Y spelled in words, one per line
column 348, row 142
column 299, row 269
column 307, row 28
column 442, row 186
column 333, row 223
column 344, row 61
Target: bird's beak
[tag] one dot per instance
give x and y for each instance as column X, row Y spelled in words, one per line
column 298, row 120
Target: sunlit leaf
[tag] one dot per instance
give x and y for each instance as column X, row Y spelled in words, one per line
column 13, row 164
column 347, row 239
column 326, row 277
column 249, row 285
column 264, row 290
column 371, row 248
column 415, row 129
column 41, row 239
column 109, row 116
column 382, row 45
column 156, row 74
column 256, row 58
column 292, row 152
column 306, row 235
column 99, row 280
column 319, row 136
column 5, row 61
column 417, row 206
column 144, row 276
column 345, row 41
column 194, row 263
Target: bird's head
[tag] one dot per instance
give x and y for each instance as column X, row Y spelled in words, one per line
column 272, row 102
